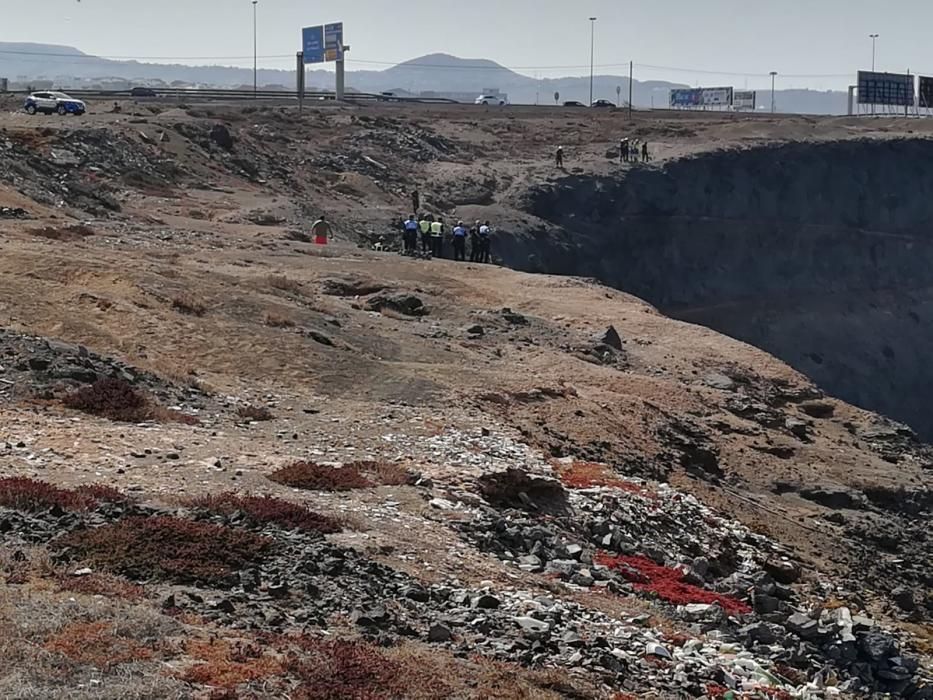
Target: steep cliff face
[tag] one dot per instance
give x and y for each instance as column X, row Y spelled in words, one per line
column 821, row 254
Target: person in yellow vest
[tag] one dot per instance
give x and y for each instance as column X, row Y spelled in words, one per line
column 320, row 230
column 437, row 238
column 424, row 225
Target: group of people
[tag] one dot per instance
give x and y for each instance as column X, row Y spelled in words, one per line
column 430, row 232
column 628, row 152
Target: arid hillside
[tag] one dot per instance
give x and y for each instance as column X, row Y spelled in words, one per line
column 236, row 464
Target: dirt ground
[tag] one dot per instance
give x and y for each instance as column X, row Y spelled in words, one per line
column 182, row 283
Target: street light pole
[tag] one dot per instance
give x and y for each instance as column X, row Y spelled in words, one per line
column 255, row 53
column 874, row 38
column 773, row 76
column 592, row 54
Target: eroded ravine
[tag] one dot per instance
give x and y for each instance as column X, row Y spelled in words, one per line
column 821, row 254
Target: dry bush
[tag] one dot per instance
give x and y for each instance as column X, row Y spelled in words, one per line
column 101, row 493
column 111, row 398
column 226, row 664
column 285, row 284
column 262, row 510
column 166, row 548
column 255, row 413
column 384, row 473
column 103, row 585
column 118, row 400
column 275, row 320
column 311, row 476
column 97, row 644
column 72, row 232
column 187, row 303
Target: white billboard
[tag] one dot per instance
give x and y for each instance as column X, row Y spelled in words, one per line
column 716, row 97
column 744, row 99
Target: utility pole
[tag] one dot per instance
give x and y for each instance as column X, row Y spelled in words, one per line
column 592, row 54
column 631, row 84
column 773, row 76
column 255, row 53
column 874, row 38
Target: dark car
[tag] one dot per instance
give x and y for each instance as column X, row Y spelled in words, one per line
column 603, row 103
column 573, row 103
column 143, row 92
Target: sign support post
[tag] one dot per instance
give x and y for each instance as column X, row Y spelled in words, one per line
column 300, row 80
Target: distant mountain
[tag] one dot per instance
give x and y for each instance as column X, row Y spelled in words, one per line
column 66, row 67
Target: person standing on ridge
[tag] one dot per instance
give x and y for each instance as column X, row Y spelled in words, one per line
column 475, row 243
column 415, row 200
column 437, row 238
column 485, row 237
column 460, row 236
column 644, row 153
column 411, row 235
column 559, row 157
column 425, row 226
column 321, row 230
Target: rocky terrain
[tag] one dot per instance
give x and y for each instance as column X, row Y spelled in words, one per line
column 236, row 464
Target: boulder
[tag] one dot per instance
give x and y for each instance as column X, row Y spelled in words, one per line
column 406, row 304
column 221, row 136
column 611, row 338
column 783, row 571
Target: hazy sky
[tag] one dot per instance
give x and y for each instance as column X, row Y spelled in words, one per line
column 667, row 39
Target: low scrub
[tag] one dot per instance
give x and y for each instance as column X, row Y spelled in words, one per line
column 166, row 548
column 255, row 413
column 105, row 585
column 227, row 664
column 30, row 496
column 345, row 670
column 285, row 284
column 311, row 476
column 275, row 320
column 263, row 510
column 118, row 400
column 587, row 475
column 189, row 304
column 97, row 644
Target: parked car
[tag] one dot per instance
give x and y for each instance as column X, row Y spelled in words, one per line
column 143, row 92
column 603, row 103
column 387, row 97
column 573, row 103
column 490, row 100
column 52, row 102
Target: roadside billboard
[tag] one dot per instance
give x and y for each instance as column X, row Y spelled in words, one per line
column 895, row 89
column 685, row 97
column 745, row 99
column 926, row 92
column 322, row 43
column 716, row 97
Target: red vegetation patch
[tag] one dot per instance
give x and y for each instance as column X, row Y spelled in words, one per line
column 666, row 583
column 118, row 400
column 587, row 475
column 96, row 644
column 167, row 548
column 29, row 495
column 225, row 664
column 345, row 670
column 267, row 509
column 311, row 476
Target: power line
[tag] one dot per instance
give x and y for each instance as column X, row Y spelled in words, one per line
column 431, row 66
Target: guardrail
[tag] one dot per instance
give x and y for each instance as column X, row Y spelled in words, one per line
column 220, row 94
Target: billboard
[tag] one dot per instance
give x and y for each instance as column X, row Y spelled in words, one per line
column 745, row 99
column 685, row 97
column 885, row 89
column 926, row 92
column 333, row 41
column 716, row 97
column 322, row 43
